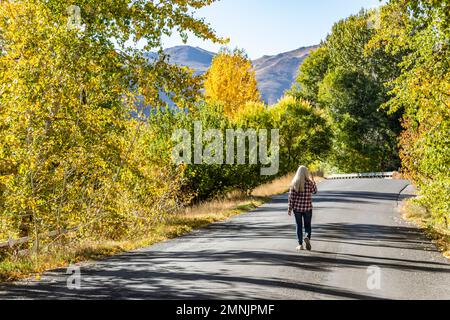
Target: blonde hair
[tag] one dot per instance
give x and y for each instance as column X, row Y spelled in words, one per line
column 298, row 183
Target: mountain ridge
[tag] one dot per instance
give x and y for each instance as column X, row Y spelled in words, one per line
column 274, row 73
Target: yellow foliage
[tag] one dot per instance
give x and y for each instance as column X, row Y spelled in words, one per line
column 70, row 154
column 231, row 82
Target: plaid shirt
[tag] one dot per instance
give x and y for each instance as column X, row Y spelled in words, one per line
column 302, row 201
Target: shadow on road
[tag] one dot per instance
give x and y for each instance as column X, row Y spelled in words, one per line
column 158, row 275
column 131, row 282
column 174, row 273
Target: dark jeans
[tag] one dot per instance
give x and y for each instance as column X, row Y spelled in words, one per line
column 300, row 218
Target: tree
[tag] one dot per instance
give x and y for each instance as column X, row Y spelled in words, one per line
column 71, row 153
column 420, row 30
column 304, row 131
column 363, row 140
column 347, row 41
column 348, row 82
column 231, row 81
column 311, row 73
column 254, row 115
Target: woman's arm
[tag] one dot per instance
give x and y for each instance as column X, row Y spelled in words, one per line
column 313, row 184
column 290, row 202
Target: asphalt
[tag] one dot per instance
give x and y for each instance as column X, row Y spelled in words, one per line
column 362, row 249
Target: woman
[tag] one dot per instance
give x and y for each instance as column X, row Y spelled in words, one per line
column 300, row 203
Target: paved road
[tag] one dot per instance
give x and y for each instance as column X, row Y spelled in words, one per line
column 252, row 256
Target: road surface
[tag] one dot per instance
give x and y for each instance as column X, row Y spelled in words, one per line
column 361, row 250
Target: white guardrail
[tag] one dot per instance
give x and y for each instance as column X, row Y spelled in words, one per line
column 370, row 175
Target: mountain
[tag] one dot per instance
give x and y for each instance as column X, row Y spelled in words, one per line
column 195, row 58
column 275, row 74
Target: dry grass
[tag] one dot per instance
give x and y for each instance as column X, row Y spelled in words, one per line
column 278, row 186
column 398, row 176
column 13, row 267
column 418, row 215
column 221, row 206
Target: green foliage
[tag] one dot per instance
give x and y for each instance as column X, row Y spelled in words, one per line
column 312, row 72
column 348, row 83
column 305, row 133
column 305, row 137
column 347, row 41
column 201, row 181
column 363, row 140
column 420, row 30
column 207, row 181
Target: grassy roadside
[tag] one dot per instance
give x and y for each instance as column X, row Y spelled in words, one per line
column 14, row 267
column 418, row 215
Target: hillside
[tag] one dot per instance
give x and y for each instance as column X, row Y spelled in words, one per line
column 275, row 74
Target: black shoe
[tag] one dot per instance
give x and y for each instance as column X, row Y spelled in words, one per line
column 308, row 244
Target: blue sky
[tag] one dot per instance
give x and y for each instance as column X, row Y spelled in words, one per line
column 266, row 27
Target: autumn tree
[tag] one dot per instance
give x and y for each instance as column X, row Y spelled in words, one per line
column 74, row 149
column 420, row 30
column 231, row 81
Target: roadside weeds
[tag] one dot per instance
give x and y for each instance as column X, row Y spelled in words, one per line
column 418, row 215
